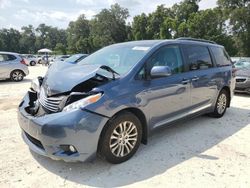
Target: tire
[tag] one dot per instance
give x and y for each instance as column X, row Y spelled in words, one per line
column 221, row 104
column 120, row 138
column 32, row 63
column 17, row 75
column 39, row 61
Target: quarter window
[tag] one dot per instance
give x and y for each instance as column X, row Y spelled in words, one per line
column 198, row 57
column 221, row 57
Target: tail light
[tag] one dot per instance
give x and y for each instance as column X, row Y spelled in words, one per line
column 23, row 62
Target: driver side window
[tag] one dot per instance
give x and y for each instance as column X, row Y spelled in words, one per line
column 168, row 56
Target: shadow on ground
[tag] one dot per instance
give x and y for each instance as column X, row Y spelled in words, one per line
column 167, row 148
column 242, row 95
column 10, row 82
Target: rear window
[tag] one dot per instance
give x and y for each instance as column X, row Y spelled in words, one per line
column 221, row 56
column 198, row 57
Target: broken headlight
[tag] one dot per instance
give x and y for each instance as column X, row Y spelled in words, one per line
column 83, row 102
column 35, row 85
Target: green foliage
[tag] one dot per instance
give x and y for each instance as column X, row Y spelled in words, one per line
column 60, row 49
column 77, row 35
column 238, row 12
column 139, row 29
column 228, row 25
column 185, row 9
column 27, row 40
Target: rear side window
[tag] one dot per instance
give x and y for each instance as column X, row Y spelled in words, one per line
column 198, row 57
column 10, row 57
column 7, row 57
column 221, row 57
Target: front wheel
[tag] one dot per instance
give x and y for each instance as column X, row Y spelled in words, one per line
column 221, row 104
column 17, row 75
column 121, row 138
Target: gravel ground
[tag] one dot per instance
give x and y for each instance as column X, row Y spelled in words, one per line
column 202, row 152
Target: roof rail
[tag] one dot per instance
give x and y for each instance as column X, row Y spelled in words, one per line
column 198, row 40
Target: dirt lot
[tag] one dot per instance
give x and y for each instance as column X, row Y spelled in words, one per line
column 203, row 152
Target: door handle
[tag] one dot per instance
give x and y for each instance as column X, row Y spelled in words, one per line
column 185, row 81
column 195, row 78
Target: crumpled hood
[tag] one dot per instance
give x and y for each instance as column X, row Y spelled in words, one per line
column 243, row 72
column 62, row 77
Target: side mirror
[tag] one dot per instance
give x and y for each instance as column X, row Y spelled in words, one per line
column 160, row 71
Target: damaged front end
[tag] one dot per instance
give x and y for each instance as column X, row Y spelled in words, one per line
column 44, row 99
column 55, row 123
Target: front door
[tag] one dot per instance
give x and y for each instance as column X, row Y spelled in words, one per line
column 167, row 97
column 4, row 67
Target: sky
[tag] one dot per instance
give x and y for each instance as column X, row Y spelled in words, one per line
column 58, row 13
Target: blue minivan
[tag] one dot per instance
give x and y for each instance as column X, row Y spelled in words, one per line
column 111, row 101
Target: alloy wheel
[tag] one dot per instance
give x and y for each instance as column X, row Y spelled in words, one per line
column 123, row 139
column 17, row 76
column 222, row 103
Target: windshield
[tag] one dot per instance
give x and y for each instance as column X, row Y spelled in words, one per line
column 121, row 58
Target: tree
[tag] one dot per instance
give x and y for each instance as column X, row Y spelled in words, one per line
column 238, row 12
column 10, row 40
column 168, row 28
column 229, row 25
column 139, row 27
column 108, row 27
column 209, row 24
column 182, row 13
column 28, row 40
column 156, row 21
column 60, row 49
column 184, row 9
column 77, row 35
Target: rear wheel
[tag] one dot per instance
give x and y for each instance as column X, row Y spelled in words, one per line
column 32, row 63
column 221, row 104
column 121, row 138
column 17, row 75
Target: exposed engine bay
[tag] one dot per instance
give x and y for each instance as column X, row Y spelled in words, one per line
column 45, row 100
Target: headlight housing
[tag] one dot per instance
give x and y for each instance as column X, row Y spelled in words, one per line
column 35, row 85
column 83, row 102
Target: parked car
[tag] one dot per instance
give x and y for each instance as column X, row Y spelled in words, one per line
column 25, row 60
column 240, row 59
column 39, row 59
column 42, row 58
column 32, row 59
column 61, row 57
column 112, row 100
column 75, row 58
column 12, row 66
column 243, row 80
column 242, row 64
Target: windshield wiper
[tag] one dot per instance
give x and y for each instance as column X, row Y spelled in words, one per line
column 109, row 69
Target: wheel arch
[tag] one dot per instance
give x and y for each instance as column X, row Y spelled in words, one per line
column 17, row 70
column 139, row 114
column 227, row 89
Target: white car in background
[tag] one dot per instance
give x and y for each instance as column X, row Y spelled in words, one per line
column 12, row 66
